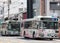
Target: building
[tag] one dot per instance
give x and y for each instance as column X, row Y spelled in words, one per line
column 35, row 8
column 46, row 7
column 53, row 8
column 15, row 8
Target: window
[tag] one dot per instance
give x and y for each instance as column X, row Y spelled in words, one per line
column 28, row 24
column 50, row 25
column 31, row 25
column 54, row 6
column 14, row 26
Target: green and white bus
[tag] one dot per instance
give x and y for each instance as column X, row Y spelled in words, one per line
column 10, row 28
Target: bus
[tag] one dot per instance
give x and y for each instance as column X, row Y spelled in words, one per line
column 10, row 28
column 40, row 27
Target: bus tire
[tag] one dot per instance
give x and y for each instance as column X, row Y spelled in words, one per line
column 24, row 35
column 51, row 38
column 33, row 34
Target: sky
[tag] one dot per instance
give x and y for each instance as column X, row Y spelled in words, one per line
column 14, row 6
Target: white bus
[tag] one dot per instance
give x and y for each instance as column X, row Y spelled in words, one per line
column 10, row 28
column 40, row 27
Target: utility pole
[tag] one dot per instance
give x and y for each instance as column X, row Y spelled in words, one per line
column 3, row 10
column 9, row 2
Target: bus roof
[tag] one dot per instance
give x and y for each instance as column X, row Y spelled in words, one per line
column 44, row 17
column 37, row 18
column 28, row 19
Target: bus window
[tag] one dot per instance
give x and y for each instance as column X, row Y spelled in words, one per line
column 27, row 24
column 31, row 25
column 50, row 25
column 36, row 25
column 44, row 25
column 55, row 25
column 39, row 25
column 15, row 26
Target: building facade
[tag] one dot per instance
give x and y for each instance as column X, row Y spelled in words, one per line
column 53, row 8
column 35, row 8
column 42, row 8
column 46, row 8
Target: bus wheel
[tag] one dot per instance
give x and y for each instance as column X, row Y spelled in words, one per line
column 33, row 34
column 24, row 35
column 51, row 39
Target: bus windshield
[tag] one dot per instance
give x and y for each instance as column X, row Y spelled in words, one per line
column 14, row 26
column 50, row 25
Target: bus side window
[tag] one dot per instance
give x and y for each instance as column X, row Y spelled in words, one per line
column 26, row 25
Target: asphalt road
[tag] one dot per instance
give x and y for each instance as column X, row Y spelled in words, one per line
column 22, row 40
